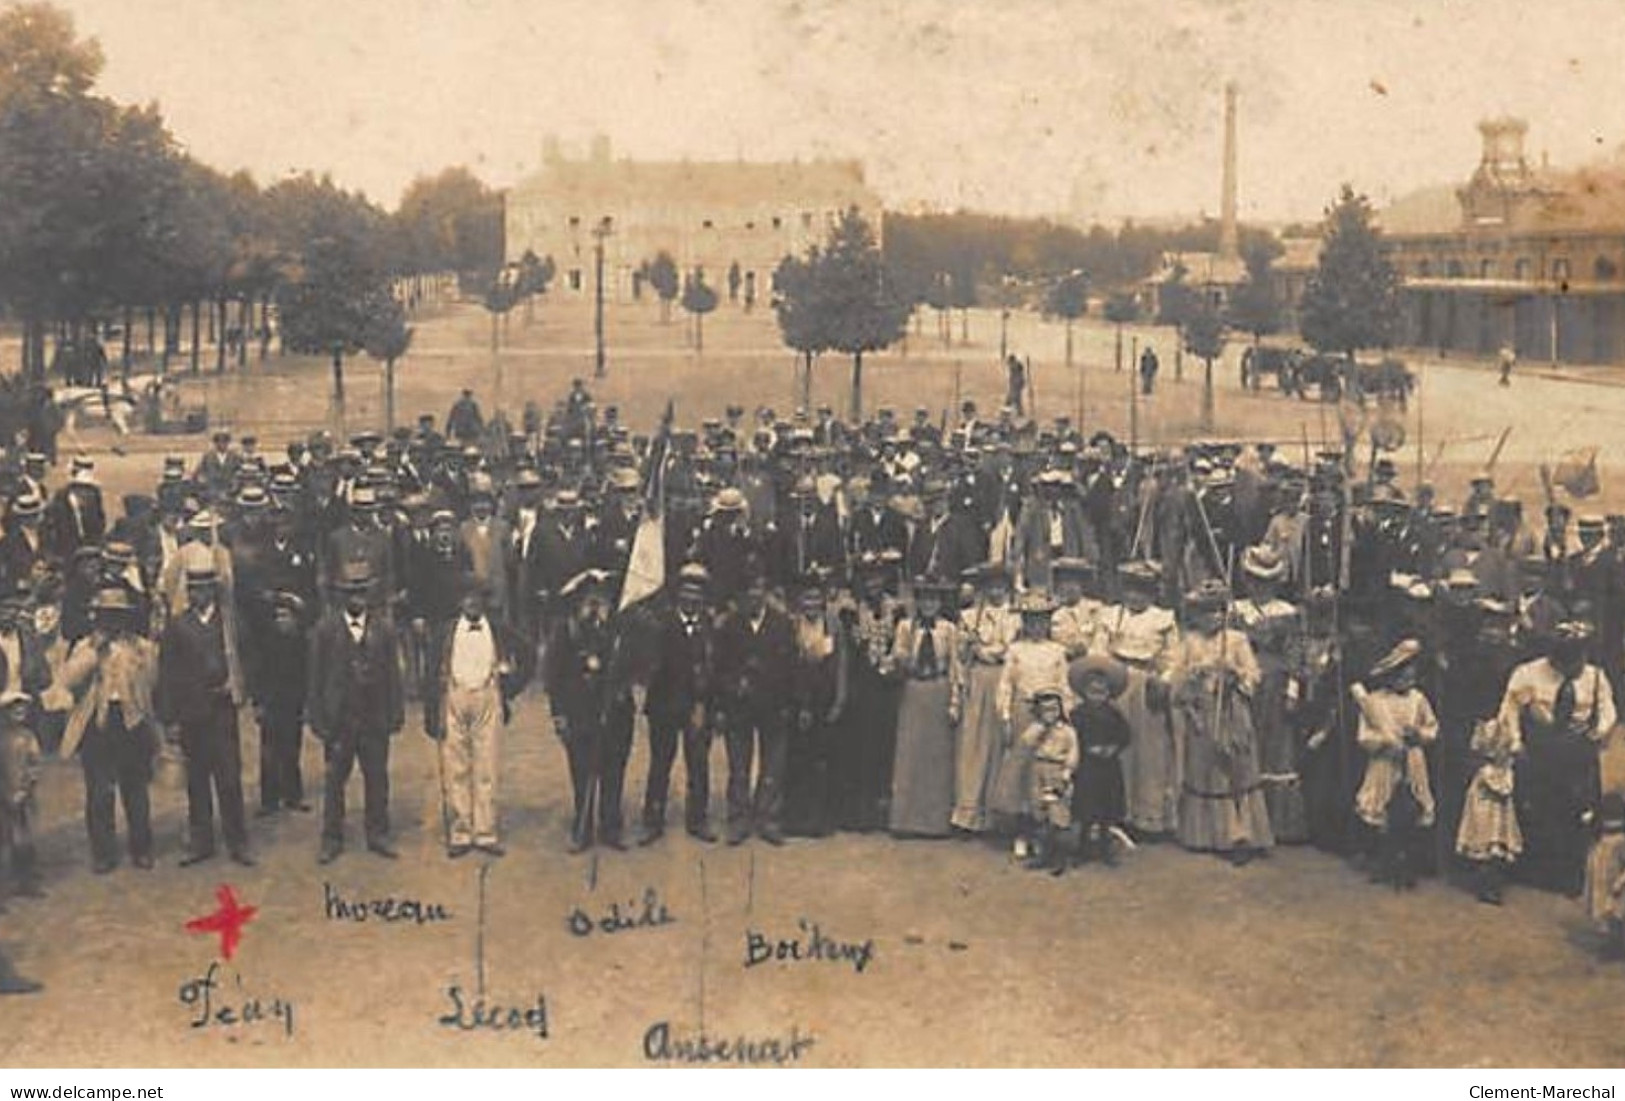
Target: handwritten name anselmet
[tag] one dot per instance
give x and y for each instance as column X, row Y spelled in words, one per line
column 811, row 946
column 388, row 910
column 660, row 1045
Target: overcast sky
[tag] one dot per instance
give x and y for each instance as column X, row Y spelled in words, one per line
column 1019, row 106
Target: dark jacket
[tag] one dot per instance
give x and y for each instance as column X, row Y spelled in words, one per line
column 755, row 669
column 684, row 669
column 585, row 670
column 194, row 677
column 354, row 687
column 511, row 649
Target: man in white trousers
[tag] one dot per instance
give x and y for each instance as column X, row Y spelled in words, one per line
column 477, row 667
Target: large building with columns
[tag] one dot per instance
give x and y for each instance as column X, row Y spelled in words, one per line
column 1520, row 254
column 708, row 215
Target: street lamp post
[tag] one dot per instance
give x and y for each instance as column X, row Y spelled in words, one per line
column 600, row 231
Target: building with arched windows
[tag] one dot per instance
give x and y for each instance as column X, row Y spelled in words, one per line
column 714, row 216
column 1520, row 254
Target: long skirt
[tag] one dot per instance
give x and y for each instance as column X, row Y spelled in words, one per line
column 1221, row 806
column 981, row 750
column 922, row 790
column 865, row 746
column 1557, row 781
column 1278, row 759
column 1151, row 762
column 1488, row 827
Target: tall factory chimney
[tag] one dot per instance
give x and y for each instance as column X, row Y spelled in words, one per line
column 1229, row 240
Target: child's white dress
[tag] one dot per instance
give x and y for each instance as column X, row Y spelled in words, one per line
column 1384, row 717
column 1489, row 818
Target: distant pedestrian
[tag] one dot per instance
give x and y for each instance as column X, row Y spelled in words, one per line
column 1149, row 366
column 1015, row 396
column 1509, row 360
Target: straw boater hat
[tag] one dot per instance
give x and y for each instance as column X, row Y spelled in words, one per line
column 354, row 577
column 1407, row 651
column 200, row 573
column 113, row 598
column 293, row 602
column 1210, row 594
column 1098, row 665
column 29, row 504
column 1036, row 603
column 1140, row 573
column 1071, row 567
column 1263, row 562
column 587, row 583
column 693, row 578
column 728, row 500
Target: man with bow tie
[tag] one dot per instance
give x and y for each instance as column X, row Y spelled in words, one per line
column 478, row 666
column 355, row 708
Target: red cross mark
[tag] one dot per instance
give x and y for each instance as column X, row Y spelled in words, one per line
column 228, row 921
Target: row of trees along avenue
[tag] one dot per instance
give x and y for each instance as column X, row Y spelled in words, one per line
column 105, row 220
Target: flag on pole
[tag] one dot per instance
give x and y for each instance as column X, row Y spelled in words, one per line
column 646, row 567
column 1576, row 472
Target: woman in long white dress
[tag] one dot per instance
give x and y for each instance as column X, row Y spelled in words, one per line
column 989, row 627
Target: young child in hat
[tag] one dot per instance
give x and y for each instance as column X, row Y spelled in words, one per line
column 1605, row 875
column 1050, row 745
column 1098, row 803
column 1396, row 722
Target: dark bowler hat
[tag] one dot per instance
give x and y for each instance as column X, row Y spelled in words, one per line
column 355, row 577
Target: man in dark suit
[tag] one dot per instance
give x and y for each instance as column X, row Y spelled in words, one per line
column 810, row 537
column 755, row 664
column 560, row 548
column 677, row 702
column 726, row 544
column 362, row 540
column 22, row 549
column 76, row 516
column 874, row 526
column 356, row 706
column 950, row 540
column 198, row 694
column 591, row 702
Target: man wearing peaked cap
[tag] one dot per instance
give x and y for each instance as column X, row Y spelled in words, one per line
column 679, row 699
column 561, row 548
column 356, row 707
column 199, row 689
column 590, row 698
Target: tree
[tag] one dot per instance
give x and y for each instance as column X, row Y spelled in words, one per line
column 1254, row 307
column 1352, row 300
column 1122, row 308
column 663, row 277
column 801, row 312
column 699, row 300
column 862, row 310
column 450, row 222
column 1204, row 338
column 534, row 277
column 386, row 337
column 1177, row 301
column 1069, row 300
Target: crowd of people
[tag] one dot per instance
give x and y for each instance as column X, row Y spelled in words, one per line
column 993, row 628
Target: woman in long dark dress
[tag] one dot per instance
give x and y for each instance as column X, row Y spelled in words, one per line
column 866, row 742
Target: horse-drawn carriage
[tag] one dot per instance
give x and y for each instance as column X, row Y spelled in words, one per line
column 1298, row 372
